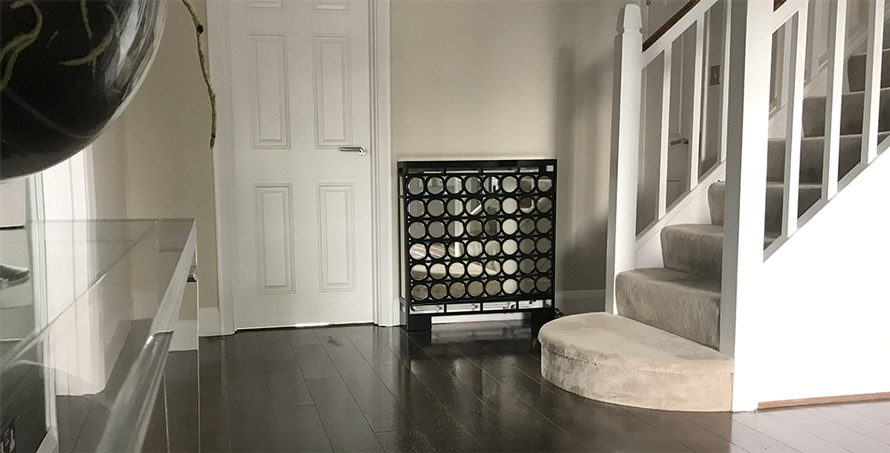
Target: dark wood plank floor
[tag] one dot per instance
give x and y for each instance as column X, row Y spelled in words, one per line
column 465, row 387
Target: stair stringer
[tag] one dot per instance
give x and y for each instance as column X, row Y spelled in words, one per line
column 820, row 324
column 691, row 207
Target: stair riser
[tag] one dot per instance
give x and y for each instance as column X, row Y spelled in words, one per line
column 694, row 315
column 856, row 71
column 700, row 255
column 812, row 152
column 774, row 202
column 852, row 109
column 638, row 388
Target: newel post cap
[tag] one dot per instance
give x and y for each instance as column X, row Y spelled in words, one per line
column 630, row 18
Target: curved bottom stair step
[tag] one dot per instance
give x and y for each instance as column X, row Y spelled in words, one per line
column 676, row 302
column 617, row 360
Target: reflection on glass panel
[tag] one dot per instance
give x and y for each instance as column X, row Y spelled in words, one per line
column 454, row 185
column 415, row 186
column 509, row 184
column 435, row 207
column 455, row 207
column 416, row 209
column 473, row 184
column 435, row 185
column 89, row 327
column 510, row 226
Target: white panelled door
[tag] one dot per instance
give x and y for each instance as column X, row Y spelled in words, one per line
column 300, row 94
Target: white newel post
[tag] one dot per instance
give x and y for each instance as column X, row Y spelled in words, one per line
column 625, row 150
column 747, row 132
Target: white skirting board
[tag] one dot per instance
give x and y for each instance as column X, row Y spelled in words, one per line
column 583, row 301
column 209, row 322
column 568, row 302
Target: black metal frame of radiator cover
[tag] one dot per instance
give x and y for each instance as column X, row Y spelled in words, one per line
column 531, row 196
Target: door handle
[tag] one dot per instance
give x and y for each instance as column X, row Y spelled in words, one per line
column 360, row 150
column 679, row 141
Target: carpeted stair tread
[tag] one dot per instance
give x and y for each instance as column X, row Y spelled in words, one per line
column 617, row 360
column 856, row 70
column 680, row 303
column 809, row 194
column 695, row 249
column 852, row 108
column 812, row 151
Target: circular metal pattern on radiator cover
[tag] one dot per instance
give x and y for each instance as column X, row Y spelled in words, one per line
column 455, row 207
column 509, row 184
column 420, row 292
column 418, row 272
column 471, row 237
column 437, row 250
column 454, row 185
column 437, row 271
column 439, row 291
column 417, row 252
column 435, row 208
column 456, row 249
column 509, row 227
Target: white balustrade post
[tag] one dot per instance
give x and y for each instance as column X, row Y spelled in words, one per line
column 664, row 132
column 874, row 48
column 747, row 132
column 623, row 176
column 837, row 20
column 698, row 70
column 798, row 33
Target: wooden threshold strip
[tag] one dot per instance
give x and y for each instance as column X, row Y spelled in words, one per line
column 864, row 397
column 670, row 23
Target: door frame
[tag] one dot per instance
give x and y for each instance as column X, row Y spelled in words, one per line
column 385, row 304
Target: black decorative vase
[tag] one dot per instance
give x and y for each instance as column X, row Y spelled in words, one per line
column 68, row 67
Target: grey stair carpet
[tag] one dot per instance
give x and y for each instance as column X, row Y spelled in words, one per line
column 695, row 249
column 775, row 193
column 614, row 359
column 852, row 107
column 688, row 305
column 812, row 157
column 856, row 70
column 659, row 352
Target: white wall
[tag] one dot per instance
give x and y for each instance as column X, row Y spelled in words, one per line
column 471, row 79
column 109, row 160
column 168, row 159
column 515, row 79
column 819, row 325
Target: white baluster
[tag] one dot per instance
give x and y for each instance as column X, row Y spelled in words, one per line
column 624, row 172
column 797, row 59
column 872, row 81
column 724, row 80
column 698, row 70
column 837, row 20
column 664, row 140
